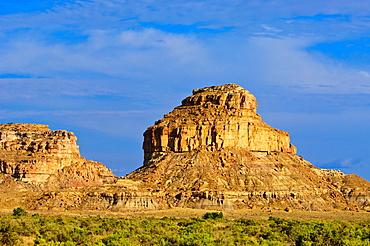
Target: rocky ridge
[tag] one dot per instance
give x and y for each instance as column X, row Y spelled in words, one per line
column 211, row 152
column 32, row 154
column 214, row 151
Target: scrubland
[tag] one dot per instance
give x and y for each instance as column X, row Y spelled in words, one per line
column 212, row 228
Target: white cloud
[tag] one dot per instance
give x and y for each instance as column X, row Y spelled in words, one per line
column 341, row 163
column 106, row 72
column 123, row 49
column 118, row 123
column 124, row 54
column 365, row 74
column 285, row 62
column 149, row 55
column 270, row 29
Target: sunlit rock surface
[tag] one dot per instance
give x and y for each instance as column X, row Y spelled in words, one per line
column 214, row 151
column 48, row 159
column 214, row 118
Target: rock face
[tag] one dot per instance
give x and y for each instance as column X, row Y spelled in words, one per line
column 214, row 118
column 47, row 159
column 121, row 196
column 214, row 151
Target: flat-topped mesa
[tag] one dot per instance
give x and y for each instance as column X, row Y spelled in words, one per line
column 33, row 139
column 215, row 152
column 24, row 127
column 33, row 153
column 230, row 96
column 213, row 118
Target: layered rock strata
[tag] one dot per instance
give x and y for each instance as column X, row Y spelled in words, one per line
column 47, row 159
column 214, row 118
column 214, row 151
column 125, row 195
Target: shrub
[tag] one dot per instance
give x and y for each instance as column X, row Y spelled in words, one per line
column 246, row 222
column 10, row 238
column 213, row 215
column 19, row 212
column 274, row 219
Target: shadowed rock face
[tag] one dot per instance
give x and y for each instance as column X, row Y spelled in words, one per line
column 48, row 159
column 214, row 151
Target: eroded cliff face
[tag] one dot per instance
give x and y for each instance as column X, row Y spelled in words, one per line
column 125, row 195
column 47, row 159
column 214, row 151
column 214, row 118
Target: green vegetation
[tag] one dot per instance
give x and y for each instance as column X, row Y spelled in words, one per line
column 19, row 212
column 213, row 215
column 213, row 229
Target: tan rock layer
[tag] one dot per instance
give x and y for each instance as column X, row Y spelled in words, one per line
column 49, row 159
column 214, row 118
column 38, row 140
column 214, row 151
column 237, row 178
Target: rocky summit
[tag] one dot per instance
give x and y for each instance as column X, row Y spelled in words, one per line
column 211, row 152
column 214, row 151
column 212, row 119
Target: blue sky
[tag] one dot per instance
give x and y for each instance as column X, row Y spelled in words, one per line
column 107, row 69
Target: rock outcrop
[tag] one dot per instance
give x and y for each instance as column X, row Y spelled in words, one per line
column 214, row 151
column 125, row 195
column 214, row 118
column 33, row 154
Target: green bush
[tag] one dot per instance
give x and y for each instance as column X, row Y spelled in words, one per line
column 19, row 212
column 213, row 215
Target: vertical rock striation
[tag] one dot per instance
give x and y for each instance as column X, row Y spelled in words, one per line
column 214, row 151
column 48, row 159
column 214, row 118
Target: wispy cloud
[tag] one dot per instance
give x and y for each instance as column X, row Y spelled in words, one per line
column 341, row 163
column 130, row 123
column 111, row 43
column 124, row 54
column 115, row 66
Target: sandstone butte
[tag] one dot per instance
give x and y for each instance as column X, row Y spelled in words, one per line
column 212, row 152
